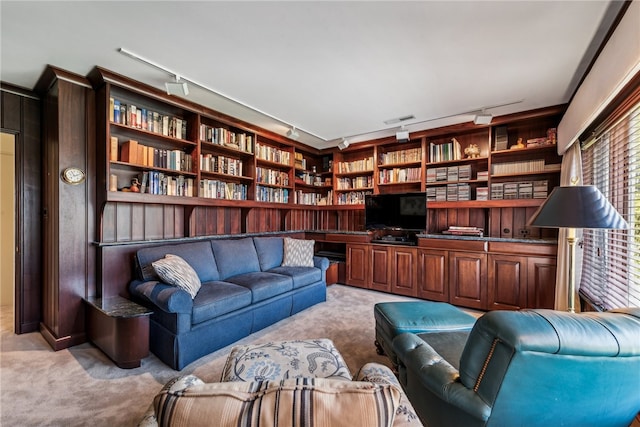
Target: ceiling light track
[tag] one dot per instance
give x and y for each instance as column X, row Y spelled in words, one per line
column 180, row 76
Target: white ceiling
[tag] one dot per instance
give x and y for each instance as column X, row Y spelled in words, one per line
column 333, row 69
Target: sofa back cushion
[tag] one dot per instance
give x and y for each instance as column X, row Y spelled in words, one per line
column 270, row 250
column 235, row 256
column 292, row 402
column 197, row 254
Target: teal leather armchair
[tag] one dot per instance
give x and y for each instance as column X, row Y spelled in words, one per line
column 528, row 368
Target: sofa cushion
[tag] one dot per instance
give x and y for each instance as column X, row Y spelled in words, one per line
column 294, row 402
column 302, row 276
column 218, row 298
column 197, row 254
column 263, row 285
column 175, row 271
column 298, row 252
column 270, row 251
column 235, row 256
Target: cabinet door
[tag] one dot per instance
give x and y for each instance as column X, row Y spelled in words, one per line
column 357, row 265
column 381, row 268
column 507, row 282
column 404, row 271
column 541, row 282
column 468, row 279
column 433, row 275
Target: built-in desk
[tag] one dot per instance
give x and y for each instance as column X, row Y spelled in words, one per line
column 120, row 328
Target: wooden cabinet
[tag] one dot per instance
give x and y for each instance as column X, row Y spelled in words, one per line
column 507, row 282
column 433, row 274
column 467, row 279
column 358, row 265
column 380, row 268
column 541, row 281
column 404, row 270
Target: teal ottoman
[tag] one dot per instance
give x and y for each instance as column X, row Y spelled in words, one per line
column 418, row 317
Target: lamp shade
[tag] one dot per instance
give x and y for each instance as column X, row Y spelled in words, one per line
column 577, row 206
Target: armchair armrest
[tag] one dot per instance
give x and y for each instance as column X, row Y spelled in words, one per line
column 439, row 378
column 166, row 297
column 321, row 262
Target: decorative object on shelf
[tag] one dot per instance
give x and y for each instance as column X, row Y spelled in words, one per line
column 576, row 206
column 73, row 175
column 113, row 182
column 472, row 151
column 135, row 186
column 518, row 145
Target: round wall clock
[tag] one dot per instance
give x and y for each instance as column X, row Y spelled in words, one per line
column 73, row 175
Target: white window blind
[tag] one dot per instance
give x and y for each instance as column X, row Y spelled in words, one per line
column 611, row 258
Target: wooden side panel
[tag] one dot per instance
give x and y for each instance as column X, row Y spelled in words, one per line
column 433, row 275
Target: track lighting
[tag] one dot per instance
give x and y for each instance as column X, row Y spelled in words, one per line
column 177, row 87
column 483, row 118
column 402, row 135
column 344, row 144
column 293, row 133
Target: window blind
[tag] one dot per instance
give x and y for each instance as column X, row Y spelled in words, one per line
column 611, row 258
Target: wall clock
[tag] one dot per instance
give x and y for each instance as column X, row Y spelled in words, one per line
column 73, row 175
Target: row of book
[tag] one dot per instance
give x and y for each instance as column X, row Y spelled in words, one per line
column 525, row 166
column 220, row 164
column 389, row 176
column 451, row 174
column 449, row 193
column 445, row 152
column 223, row 136
column 273, row 154
column 355, row 182
column 214, row 189
column 352, row 198
column 145, row 119
column 155, row 182
column 271, row 176
column 272, row 195
column 299, row 161
column 131, row 151
column 520, row 190
column 402, row 156
column 363, row 165
column 316, row 199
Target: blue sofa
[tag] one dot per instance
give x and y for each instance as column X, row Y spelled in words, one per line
column 526, row 368
column 244, row 289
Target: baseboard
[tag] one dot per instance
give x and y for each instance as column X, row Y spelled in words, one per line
column 64, row 342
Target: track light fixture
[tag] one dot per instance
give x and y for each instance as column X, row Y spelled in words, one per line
column 402, row 135
column 293, row 133
column 177, row 87
column 483, row 118
column 344, row 144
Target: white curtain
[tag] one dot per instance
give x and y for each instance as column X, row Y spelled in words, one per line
column 571, row 174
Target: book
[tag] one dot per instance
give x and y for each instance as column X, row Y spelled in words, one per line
column 113, row 153
column 145, row 182
column 129, row 151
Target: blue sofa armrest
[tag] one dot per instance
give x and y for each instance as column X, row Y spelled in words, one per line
column 166, row 297
column 440, row 380
column 321, row 262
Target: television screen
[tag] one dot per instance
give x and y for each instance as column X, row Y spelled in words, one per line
column 406, row 211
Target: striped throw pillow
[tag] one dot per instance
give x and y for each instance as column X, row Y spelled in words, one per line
column 175, row 271
column 300, row 402
column 298, row 252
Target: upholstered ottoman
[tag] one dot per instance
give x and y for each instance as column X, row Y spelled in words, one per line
column 394, row 318
column 317, row 358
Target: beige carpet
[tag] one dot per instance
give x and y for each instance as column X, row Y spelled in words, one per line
column 80, row 386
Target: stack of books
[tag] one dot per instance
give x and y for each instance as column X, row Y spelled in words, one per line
column 464, row 231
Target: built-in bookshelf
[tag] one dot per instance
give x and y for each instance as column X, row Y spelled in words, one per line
column 353, row 176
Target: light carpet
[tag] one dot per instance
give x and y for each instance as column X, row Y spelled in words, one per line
column 80, row 386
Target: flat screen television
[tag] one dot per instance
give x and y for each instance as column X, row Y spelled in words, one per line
column 404, row 211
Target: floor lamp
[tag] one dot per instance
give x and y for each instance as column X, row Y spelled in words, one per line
column 572, row 207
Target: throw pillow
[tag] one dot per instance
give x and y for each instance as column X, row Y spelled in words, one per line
column 293, row 402
column 298, row 252
column 175, row 271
